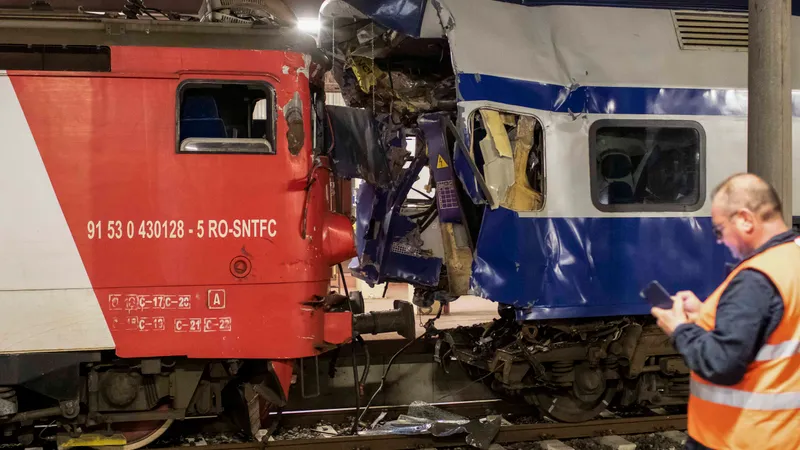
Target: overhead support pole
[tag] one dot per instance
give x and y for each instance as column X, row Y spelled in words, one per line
column 769, row 119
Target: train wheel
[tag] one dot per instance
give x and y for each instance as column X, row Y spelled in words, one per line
column 566, row 406
column 141, row 434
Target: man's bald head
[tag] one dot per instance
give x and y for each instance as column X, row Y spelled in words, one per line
column 748, row 191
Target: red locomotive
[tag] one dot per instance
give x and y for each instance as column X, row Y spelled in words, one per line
column 166, row 225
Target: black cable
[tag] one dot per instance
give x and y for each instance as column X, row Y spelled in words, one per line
column 427, row 211
column 428, row 197
column 355, row 336
column 332, row 363
column 429, row 221
column 354, row 429
column 383, row 378
column 344, row 284
column 363, row 344
column 429, row 329
column 359, row 384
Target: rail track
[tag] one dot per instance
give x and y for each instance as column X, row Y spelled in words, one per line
column 507, row 434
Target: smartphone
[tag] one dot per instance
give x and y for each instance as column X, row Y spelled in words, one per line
column 657, row 295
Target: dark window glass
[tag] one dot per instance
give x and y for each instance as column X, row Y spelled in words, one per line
column 74, row 58
column 226, row 117
column 648, row 166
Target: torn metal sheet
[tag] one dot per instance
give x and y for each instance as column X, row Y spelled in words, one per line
column 397, row 89
column 498, row 170
column 441, row 168
column 455, row 239
column 388, row 244
column 521, row 196
column 404, row 16
column 458, row 257
column 495, row 127
column 353, row 142
column 508, row 177
column 435, row 125
column 498, row 162
column 468, row 179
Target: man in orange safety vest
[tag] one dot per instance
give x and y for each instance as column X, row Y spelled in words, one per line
column 742, row 344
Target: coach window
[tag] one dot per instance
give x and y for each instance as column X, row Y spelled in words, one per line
column 509, row 150
column 226, row 117
column 647, row 165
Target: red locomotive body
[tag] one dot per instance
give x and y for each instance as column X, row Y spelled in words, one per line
column 189, row 252
column 169, row 233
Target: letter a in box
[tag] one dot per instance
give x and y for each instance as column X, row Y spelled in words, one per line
column 216, row 299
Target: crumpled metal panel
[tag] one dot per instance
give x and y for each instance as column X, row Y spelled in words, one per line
column 434, row 127
column 353, row 141
column 441, row 168
column 468, row 179
column 385, row 240
column 404, row 16
column 581, row 267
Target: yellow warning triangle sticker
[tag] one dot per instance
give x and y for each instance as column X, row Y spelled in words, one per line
column 440, row 164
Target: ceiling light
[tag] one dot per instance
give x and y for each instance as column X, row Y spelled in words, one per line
column 308, row 25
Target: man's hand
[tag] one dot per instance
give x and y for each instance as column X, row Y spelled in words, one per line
column 691, row 304
column 669, row 319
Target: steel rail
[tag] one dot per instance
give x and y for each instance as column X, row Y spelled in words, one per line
column 507, row 434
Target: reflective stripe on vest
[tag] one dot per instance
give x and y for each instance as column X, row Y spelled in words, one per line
column 744, row 399
column 776, row 351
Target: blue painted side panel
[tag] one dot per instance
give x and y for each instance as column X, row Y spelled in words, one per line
column 467, row 177
column 404, row 16
column 581, row 267
column 608, row 100
column 711, row 5
column 448, row 204
column 380, row 232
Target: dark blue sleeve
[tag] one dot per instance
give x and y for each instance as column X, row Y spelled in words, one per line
column 748, row 311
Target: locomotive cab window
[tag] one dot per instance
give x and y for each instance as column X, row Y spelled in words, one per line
column 226, row 117
column 647, row 165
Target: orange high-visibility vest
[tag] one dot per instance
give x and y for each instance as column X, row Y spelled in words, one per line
column 762, row 411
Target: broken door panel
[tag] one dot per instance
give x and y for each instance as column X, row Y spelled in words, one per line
column 455, row 234
column 441, row 169
column 389, row 244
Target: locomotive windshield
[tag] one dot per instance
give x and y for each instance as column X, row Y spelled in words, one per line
column 226, row 117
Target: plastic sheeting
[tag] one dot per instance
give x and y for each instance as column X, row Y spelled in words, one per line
column 423, row 418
